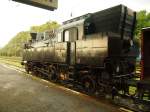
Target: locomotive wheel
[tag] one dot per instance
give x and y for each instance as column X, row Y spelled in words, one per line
column 52, row 74
column 89, row 84
column 104, row 82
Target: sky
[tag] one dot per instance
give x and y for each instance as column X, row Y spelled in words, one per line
column 16, row 17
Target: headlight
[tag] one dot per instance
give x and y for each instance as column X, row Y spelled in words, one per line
column 24, row 62
column 117, row 69
column 131, row 42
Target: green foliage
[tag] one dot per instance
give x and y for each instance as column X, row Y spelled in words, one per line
column 15, row 45
column 143, row 20
column 44, row 27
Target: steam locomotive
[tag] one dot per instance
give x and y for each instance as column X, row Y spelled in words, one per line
column 95, row 50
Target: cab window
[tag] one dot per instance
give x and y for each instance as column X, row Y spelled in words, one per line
column 59, row 39
column 89, row 28
column 71, row 34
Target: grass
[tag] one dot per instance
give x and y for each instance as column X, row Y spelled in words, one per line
column 15, row 61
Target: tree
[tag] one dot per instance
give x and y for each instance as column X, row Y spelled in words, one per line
column 15, row 45
column 44, row 27
column 143, row 20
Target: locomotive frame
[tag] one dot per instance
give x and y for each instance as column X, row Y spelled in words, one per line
column 93, row 50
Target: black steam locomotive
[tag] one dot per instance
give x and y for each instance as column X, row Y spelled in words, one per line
column 95, row 50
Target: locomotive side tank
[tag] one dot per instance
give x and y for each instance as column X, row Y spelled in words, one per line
column 94, row 50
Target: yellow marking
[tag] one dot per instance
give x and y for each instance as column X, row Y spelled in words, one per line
column 48, row 82
column 67, row 89
column 126, row 110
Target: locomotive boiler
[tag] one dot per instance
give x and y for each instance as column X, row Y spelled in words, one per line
column 95, row 50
